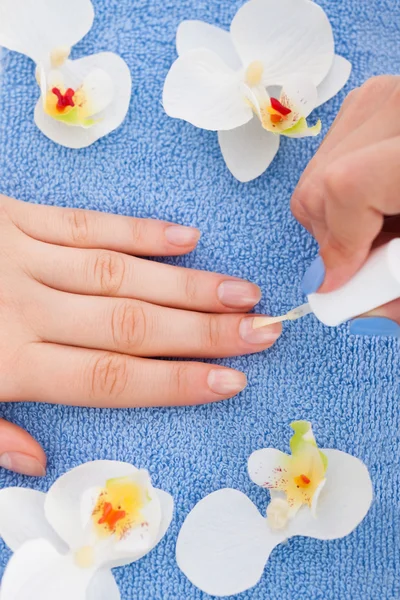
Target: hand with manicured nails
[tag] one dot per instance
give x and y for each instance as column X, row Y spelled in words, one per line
column 349, row 195
column 81, row 317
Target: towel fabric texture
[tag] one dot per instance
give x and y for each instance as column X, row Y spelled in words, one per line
column 348, row 387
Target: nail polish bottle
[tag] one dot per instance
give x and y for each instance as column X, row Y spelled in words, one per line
column 375, row 284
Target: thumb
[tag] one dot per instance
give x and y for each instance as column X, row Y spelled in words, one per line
column 359, row 190
column 382, row 321
column 19, row 452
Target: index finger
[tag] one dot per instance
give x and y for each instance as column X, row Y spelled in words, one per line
column 79, row 228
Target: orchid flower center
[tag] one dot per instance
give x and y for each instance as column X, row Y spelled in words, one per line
column 64, row 99
column 302, row 481
column 119, row 508
column 299, row 477
column 277, row 111
column 71, row 106
column 275, row 115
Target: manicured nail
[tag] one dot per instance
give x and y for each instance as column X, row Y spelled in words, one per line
column 179, row 235
column 238, row 294
column 263, row 335
column 375, row 326
column 226, row 381
column 22, row 463
column 314, row 277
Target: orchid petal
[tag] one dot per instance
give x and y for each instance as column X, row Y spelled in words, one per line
column 201, row 89
column 167, row 509
column 99, row 87
column 303, row 435
column 301, row 129
column 36, row 570
column 103, row 587
column 63, row 500
column 111, row 102
column 224, row 544
column 343, row 501
column 137, row 542
column 337, row 78
column 289, row 36
column 197, row 34
column 22, row 518
column 262, row 463
column 300, row 95
column 248, row 150
column 37, row 27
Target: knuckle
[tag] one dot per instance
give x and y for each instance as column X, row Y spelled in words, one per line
column 298, row 201
column 77, row 224
column 139, row 232
column 338, row 182
column 109, row 272
column 211, row 332
column 308, row 201
column 128, row 325
column 338, row 246
column 108, row 376
column 190, row 286
column 180, row 380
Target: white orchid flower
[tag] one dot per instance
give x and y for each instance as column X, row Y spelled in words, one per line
column 100, row 515
column 225, row 542
column 220, row 80
column 81, row 100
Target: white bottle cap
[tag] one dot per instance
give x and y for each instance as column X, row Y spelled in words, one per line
column 376, row 283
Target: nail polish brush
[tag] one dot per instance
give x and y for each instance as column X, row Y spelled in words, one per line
column 375, row 284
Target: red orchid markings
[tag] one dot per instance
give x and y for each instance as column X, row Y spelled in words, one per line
column 65, row 99
column 283, row 111
column 278, row 479
column 110, row 516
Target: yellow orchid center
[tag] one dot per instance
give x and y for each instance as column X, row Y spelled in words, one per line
column 300, row 475
column 302, row 481
column 70, row 106
column 305, row 472
column 119, row 508
column 276, row 116
column 64, row 100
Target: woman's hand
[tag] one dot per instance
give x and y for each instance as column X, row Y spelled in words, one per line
column 80, row 318
column 349, row 198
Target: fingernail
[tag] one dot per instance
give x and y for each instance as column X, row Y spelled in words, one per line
column 179, row 235
column 238, row 294
column 375, row 326
column 263, row 335
column 226, row 381
column 22, row 463
column 314, row 277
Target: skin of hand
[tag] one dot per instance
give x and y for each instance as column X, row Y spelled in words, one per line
column 81, row 316
column 348, row 197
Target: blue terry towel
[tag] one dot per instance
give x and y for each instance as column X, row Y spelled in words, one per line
column 154, row 166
